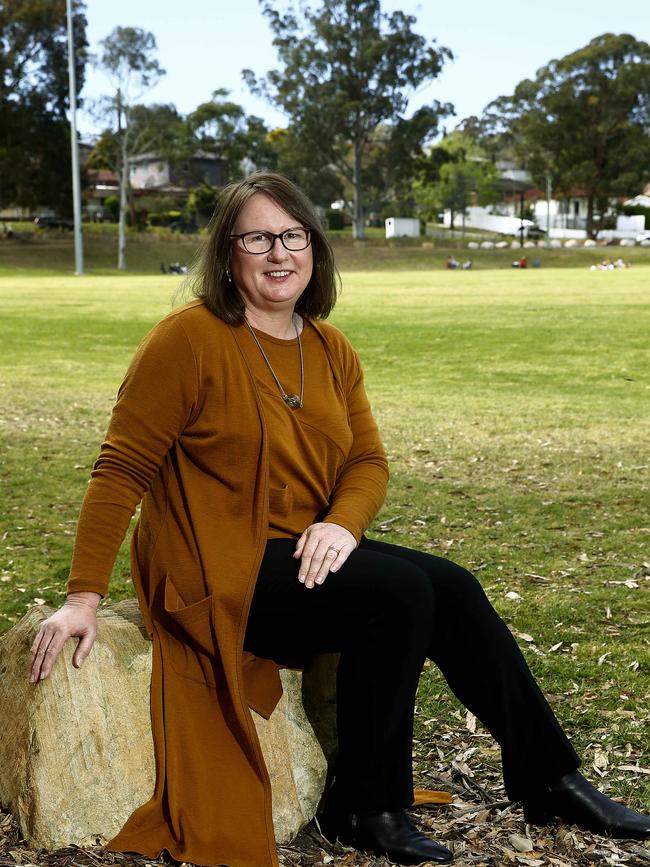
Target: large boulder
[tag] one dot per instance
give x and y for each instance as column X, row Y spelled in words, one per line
column 76, row 752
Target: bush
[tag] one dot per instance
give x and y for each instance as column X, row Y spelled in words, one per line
column 335, row 219
column 112, row 205
column 201, row 203
column 164, row 218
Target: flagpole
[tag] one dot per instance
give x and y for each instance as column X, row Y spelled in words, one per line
column 76, row 183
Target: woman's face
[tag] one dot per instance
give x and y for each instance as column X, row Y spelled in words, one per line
column 268, row 281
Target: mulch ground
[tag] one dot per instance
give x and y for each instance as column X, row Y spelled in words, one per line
column 481, row 827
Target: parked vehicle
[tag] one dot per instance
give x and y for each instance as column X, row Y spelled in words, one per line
column 53, row 223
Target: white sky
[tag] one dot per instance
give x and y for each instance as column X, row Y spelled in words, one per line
column 204, row 44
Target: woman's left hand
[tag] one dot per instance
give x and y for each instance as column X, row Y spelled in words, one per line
column 324, row 548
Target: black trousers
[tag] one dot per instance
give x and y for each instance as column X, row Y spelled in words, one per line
column 386, row 610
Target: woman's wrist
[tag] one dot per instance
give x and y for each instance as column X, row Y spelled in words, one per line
column 84, row 597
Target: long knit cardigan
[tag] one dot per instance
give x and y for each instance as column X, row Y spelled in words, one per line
column 188, row 438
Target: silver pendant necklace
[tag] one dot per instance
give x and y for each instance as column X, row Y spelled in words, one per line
column 292, row 400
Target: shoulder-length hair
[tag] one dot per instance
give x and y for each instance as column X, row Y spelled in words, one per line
column 209, row 279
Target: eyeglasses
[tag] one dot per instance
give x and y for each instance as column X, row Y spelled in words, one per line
column 297, row 238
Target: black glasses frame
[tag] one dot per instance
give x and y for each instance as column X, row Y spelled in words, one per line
column 272, row 237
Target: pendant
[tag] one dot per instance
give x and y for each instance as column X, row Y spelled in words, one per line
column 292, row 400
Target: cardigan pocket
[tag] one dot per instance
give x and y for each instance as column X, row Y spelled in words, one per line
column 280, row 500
column 190, row 636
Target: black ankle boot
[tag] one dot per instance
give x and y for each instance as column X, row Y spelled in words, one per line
column 388, row 833
column 573, row 799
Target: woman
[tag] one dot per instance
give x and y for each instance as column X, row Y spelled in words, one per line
column 244, row 428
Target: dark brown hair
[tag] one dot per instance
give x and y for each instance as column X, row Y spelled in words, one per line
column 209, row 279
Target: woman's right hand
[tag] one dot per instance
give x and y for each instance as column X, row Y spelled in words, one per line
column 78, row 618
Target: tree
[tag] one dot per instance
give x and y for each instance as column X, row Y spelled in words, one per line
column 460, row 184
column 584, row 119
column 456, row 173
column 320, row 181
column 34, row 131
column 241, row 140
column 127, row 57
column 346, row 68
column 395, row 155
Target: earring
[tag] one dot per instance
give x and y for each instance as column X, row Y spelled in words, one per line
column 228, row 276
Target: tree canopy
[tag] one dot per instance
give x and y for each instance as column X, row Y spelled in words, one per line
column 583, row 119
column 346, row 68
column 127, row 56
column 34, row 131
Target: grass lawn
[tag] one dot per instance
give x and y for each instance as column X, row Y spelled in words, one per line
column 514, row 407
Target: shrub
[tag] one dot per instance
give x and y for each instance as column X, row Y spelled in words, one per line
column 112, row 205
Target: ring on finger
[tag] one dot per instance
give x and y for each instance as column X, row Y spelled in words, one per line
column 332, row 548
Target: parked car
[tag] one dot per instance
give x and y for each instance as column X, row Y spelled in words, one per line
column 53, row 223
column 642, row 236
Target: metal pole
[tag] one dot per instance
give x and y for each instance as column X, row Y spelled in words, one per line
column 74, row 147
column 548, row 209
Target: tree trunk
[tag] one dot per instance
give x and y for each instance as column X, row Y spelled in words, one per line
column 124, row 181
column 121, row 232
column 451, row 219
column 358, row 229
column 591, row 231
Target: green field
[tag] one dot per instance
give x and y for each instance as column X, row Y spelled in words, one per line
column 515, row 410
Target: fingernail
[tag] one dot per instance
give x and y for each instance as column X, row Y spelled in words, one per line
column 32, row 679
column 42, row 676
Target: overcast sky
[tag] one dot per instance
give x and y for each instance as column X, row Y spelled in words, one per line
column 204, row 45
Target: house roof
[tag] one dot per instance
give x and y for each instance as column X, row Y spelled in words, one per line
column 153, row 156
column 103, row 176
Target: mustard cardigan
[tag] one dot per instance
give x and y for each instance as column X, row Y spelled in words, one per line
column 188, row 438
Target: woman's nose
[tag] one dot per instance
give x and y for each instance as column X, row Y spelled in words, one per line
column 278, row 251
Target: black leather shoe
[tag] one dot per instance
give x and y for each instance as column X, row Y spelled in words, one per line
column 388, row 833
column 573, row 799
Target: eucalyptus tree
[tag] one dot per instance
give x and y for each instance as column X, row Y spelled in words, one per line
column 127, row 57
column 34, row 131
column 346, row 67
column 584, row 120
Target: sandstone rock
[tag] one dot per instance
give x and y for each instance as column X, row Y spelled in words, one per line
column 76, row 752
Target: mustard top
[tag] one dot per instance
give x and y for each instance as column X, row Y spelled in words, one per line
column 308, row 446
